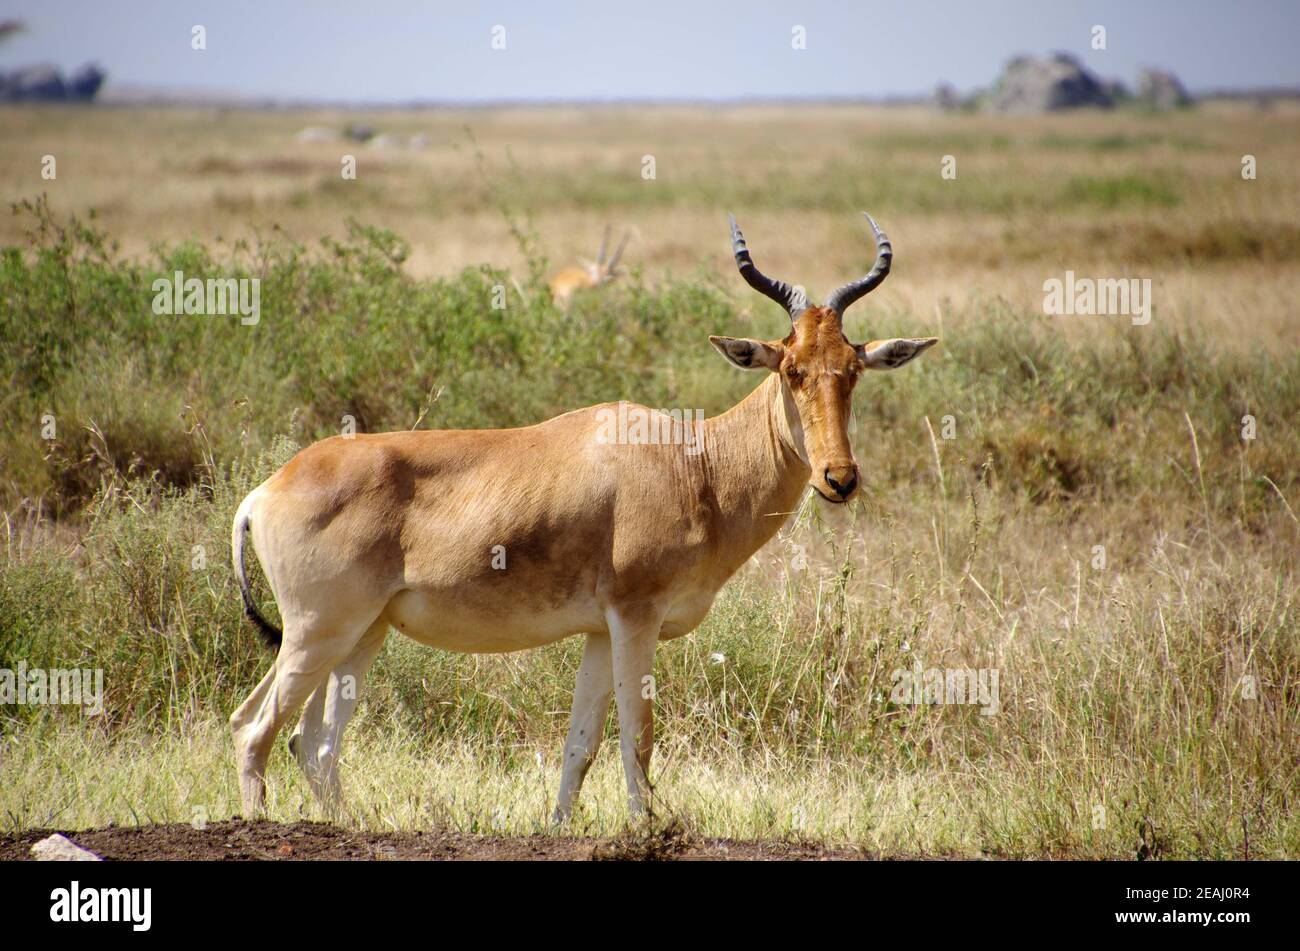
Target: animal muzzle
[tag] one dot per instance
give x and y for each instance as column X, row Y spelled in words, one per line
column 838, row 483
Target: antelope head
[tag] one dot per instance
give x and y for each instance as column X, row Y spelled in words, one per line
column 818, row 366
column 601, row 271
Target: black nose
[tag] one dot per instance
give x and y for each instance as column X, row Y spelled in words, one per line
column 844, row 491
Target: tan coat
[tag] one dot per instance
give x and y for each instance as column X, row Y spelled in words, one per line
column 615, row 521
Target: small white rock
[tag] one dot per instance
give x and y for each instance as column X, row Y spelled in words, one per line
column 59, row 848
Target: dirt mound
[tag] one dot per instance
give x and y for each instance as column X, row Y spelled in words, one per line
column 237, row 840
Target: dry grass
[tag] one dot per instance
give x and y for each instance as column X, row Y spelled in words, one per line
column 1148, row 708
column 1149, row 195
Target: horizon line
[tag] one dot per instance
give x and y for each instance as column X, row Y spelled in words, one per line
column 127, row 95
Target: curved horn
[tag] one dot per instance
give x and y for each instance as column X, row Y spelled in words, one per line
column 791, row 298
column 618, row 252
column 840, row 298
column 604, row 246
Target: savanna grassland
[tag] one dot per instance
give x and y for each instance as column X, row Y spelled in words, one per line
column 1077, row 502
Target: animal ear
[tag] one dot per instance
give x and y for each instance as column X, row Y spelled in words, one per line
column 749, row 354
column 891, row 354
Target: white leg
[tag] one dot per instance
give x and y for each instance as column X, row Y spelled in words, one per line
column 249, row 759
column 306, row 657
column 306, row 738
column 343, row 693
column 634, row 634
column 591, row 691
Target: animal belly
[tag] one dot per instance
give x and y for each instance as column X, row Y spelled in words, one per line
column 488, row 627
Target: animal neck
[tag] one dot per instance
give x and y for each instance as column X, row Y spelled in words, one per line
column 755, row 471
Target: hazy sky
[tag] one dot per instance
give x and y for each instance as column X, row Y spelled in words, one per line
column 382, row 50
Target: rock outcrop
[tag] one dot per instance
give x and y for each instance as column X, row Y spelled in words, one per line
column 1030, row 85
column 44, row 83
column 1161, row 90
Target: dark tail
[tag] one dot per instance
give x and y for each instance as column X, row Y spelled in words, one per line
column 271, row 634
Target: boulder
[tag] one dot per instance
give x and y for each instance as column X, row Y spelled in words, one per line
column 1161, row 90
column 59, row 848
column 85, row 82
column 946, row 97
column 1029, row 85
column 34, row 84
column 44, row 83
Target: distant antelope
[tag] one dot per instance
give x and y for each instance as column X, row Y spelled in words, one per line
column 500, row 540
column 592, row 273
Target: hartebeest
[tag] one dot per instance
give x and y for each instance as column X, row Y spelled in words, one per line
column 500, row 540
column 570, row 280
